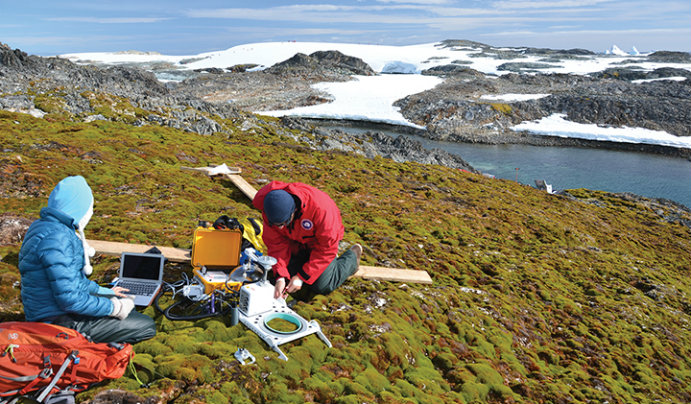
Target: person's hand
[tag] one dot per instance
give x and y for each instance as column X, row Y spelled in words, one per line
column 120, row 291
column 121, row 307
column 280, row 288
column 294, row 285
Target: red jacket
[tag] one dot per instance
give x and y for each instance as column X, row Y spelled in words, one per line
column 317, row 226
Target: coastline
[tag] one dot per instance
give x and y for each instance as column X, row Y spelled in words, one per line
column 515, row 138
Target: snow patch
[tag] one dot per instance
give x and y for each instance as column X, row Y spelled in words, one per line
column 660, row 79
column 512, row 97
column 556, row 125
column 365, row 98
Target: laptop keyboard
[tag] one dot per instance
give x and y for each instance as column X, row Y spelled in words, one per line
column 138, row 288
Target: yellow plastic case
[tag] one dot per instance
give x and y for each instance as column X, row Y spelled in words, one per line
column 215, row 253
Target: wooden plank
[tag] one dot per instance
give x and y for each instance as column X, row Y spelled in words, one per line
column 117, row 248
column 244, row 186
column 393, row 274
column 183, row 255
column 230, row 173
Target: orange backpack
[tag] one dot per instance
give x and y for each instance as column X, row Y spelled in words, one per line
column 35, row 356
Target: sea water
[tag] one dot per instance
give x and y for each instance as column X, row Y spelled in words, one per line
column 645, row 174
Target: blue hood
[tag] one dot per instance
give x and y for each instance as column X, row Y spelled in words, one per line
column 73, row 197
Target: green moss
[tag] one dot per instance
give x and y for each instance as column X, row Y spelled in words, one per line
column 372, row 380
column 553, row 294
column 153, row 347
column 426, row 377
column 473, row 392
column 485, row 374
column 188, row 368
column 50, row 103
column 348, row 399
column 503, row 108
column 144, row 368
column 234, row 393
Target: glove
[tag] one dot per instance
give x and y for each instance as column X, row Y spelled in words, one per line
column 121, row 307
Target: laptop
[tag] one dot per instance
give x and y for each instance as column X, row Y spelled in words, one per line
column 142, row 274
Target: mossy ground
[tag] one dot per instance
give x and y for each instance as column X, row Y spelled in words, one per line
column 536, row 297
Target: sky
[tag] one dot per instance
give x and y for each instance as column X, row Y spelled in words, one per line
column 174, row 27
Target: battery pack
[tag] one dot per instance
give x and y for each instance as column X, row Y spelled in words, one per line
column 215, row 280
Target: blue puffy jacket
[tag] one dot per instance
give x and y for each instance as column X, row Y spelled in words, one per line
column 52, row 257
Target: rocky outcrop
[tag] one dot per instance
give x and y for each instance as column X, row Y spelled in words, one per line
column 323, row 63
column 77, row 87
column 453, row 70
column 670, row 57
column 373, row 143
column 285, row 85
column 632, row 73
column 456, row 111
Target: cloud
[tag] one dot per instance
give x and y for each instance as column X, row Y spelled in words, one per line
column 547, row 4
column 602, row 32
column 111, row 20
column 296, row 32
column 66, row 41
column 426, row 2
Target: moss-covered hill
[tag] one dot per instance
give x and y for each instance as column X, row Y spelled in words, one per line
column 536, row 298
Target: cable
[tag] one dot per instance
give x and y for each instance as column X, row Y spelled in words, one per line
column 215, row 304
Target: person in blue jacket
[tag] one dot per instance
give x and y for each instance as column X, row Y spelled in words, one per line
column 54, row 266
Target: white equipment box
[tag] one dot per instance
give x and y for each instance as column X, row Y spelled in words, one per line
column 258, row 307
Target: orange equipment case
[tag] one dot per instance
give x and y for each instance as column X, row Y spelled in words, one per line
column 215, row 253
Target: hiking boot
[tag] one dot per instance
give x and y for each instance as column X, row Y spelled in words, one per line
column 357, row 249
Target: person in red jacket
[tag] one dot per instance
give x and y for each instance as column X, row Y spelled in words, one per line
column 302, row 230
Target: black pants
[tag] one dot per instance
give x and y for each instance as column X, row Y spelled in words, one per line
column 136, row 327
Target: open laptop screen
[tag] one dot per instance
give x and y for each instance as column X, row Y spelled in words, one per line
column 141, row 266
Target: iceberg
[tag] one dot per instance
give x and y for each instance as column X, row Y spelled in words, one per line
column 398, row 67
column 614, row 50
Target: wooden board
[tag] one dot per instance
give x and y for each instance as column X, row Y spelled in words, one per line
column 393, row 274
column 233, row 176
column 116, row 248
column 242, row 185
column 183, row 255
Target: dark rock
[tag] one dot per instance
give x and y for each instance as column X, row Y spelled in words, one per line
column 560, row 52
column 455, row 70
column 670, row 57
column 212, row 70
column 373, row 143
column 323, row 60
column 12, row 58
column 519, row 67
column 635, row 73
column 12, row 228
column 463, row 43
column 241, row 68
